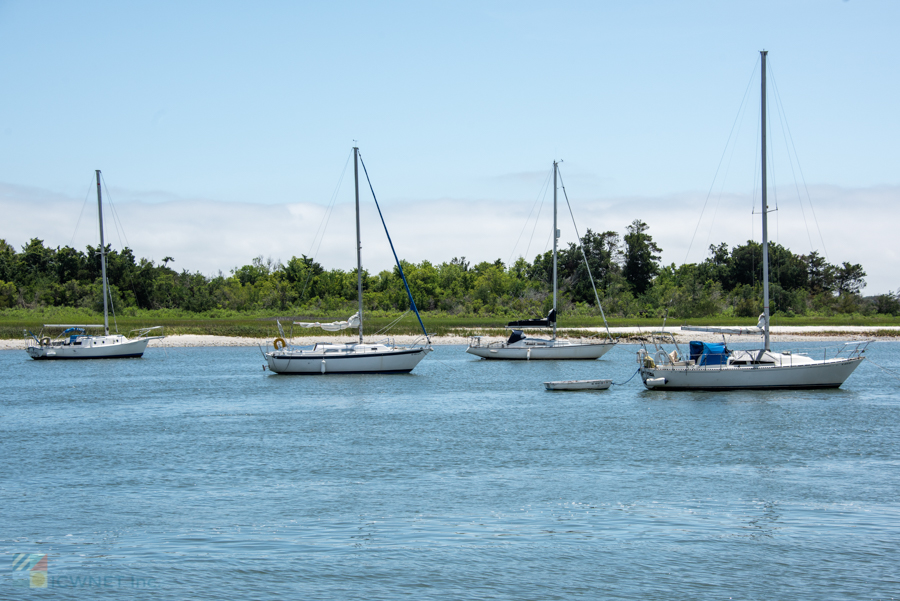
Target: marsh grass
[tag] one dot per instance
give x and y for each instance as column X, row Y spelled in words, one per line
column 262, row 325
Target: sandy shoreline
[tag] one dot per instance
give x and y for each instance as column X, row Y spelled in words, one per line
column 779, row 334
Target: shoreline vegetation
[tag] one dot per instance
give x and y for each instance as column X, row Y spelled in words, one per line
column 236, row 329
column 44, row 285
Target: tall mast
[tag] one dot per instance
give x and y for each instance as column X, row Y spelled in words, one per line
column 555, row 237
column 358, row 242
column 765, row 205
column 103, row 261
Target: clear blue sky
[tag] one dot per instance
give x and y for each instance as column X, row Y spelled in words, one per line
column 461, row 102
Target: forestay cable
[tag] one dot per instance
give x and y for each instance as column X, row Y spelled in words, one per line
column 412, row 303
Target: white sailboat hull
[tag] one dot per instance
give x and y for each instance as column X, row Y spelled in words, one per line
column 352, row 359
column 829, row 373
column 521, row 348
column 536, row 350
column 84, row 346
column 721, row 369
column 92, row 347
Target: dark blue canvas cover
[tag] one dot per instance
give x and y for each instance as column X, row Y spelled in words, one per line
column 516, row 336
column 709, row 353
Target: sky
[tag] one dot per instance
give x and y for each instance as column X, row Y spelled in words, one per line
column 223, row 128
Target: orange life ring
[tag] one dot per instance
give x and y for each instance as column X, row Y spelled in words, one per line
column 276, row 341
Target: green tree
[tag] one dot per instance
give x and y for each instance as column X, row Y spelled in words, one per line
column 785, row 268
column 8, row 294
column 849, row 278
column 604, row 256
column 819, row 273
column 641, row 257
column 888, row 304
column 258, row 269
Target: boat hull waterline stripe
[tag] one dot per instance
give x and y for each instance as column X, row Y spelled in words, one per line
column 345, row 373
column 56, row 358
column 338, row 355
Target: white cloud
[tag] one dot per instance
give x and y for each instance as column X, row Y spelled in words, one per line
column 857, row 225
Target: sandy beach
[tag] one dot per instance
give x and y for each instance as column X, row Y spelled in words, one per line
column 630, row 334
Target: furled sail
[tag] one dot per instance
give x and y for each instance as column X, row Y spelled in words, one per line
column 547, row 322
column 334, row 326
column 759, row 330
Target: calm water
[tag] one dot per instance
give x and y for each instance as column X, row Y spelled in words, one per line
column 192, row 473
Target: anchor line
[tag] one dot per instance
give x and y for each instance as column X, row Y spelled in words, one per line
column 884, row 369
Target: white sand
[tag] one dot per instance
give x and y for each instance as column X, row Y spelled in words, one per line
column 779, row 333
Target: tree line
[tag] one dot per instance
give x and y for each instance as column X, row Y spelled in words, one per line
column 627, row 274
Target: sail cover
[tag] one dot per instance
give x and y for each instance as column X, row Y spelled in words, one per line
column 705, row 353
column 535, row 323
column 334, row 326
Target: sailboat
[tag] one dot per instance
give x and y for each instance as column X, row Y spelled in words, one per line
column 75, row 343
column 351, row 357
column 522, row 347
column 715, row 367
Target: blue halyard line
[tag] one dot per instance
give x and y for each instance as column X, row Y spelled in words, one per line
column 411, row 301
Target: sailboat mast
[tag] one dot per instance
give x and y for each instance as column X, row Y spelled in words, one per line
column 358, row 242
column 555, row 237
column 765, row 205
column 103, row 261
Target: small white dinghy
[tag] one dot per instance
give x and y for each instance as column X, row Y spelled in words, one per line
column 578, row 385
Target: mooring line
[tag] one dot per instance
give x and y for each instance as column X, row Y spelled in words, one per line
column 884, row 369
column 628, row 380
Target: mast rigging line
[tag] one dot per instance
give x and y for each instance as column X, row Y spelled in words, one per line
column 779, row 104
column 782, row 120
column 323, row 225
column 771, row 175
column 387, row 328
column 84, row 204
column 757, row 178
column 117, row 223
column 722, row 158
column 770, row 156
column 583, row 255
column 412, row 302
column 542, row 195
column 742, row 113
